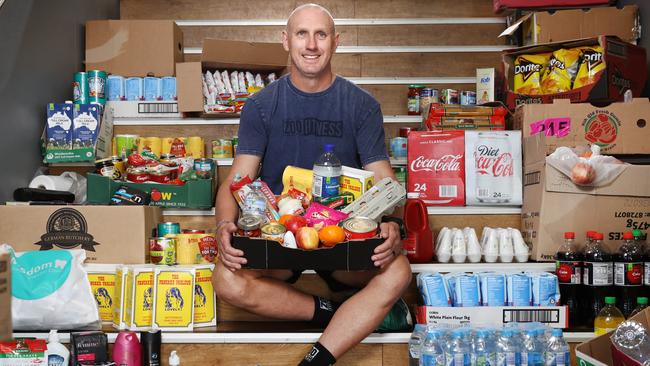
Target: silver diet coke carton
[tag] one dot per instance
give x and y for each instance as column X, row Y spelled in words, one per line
column 493, row 167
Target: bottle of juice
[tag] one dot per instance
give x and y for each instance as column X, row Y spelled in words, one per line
column 608, row 318
column 598, row 277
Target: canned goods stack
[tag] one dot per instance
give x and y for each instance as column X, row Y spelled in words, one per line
column 224, row 148
column 89, row 87
column 155, row 147
column 189, row 246
column 148, row 88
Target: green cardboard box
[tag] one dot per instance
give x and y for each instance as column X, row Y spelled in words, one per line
column 194, row 194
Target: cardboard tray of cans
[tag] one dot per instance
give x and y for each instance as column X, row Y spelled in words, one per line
column 353, row 255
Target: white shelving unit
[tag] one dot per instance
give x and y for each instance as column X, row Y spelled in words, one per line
column 396, row 49
column 475, row 210
column 480, row 267
column 163, row 121
column 343, row 21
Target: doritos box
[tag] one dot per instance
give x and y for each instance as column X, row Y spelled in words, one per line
column 605, row 69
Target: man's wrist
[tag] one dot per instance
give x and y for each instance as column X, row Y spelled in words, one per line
column 399, row 222
column 222, row 222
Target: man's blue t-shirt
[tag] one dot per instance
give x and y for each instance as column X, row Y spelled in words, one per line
column 286, row 126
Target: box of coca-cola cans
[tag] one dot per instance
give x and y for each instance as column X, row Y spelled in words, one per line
column 452, row 168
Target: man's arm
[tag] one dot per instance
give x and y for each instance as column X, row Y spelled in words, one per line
column 227, row 210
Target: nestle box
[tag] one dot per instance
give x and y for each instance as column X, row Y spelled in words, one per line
column 5, row 298
column 619, row 128
column 134, row 47
column 553, row 205
column 109, row 234
column 599, row 351
column 552, row 316
column 562, row 25
column 625, row 69
column 226, row 55
column 353, row 255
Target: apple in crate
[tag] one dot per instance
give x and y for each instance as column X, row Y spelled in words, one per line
column 296, row 222
column 307, row 238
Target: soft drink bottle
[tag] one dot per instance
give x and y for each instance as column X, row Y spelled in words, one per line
column 568, row 268
column 327, row 174
column 484, row 349
column 415, row 344
column 640, row 239
column 628, row 274
column 457, row 352
column 608, row 318
column 557, row 350
column 432, row 349
column 508, row 352
column 598, row 278
column 532, row 350
column 641, row 303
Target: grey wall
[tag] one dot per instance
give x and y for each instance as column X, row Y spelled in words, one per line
column 41, row 47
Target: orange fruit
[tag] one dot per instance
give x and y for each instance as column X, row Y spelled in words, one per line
column 284, row 218
column 331, row 235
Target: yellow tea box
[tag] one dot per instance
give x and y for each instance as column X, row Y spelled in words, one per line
column 139, row 299
column 205, row 301
column 356, row 181
column 102, row 283
column 119, row 297
column 173, row 298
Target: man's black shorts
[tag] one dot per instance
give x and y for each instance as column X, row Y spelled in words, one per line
column 333, row 284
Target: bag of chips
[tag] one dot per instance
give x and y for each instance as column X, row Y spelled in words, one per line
column 591, row 63
column 561, row 70
column 528, row 73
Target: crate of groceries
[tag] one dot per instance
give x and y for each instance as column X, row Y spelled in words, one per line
column 298, row 230
column 600, row 69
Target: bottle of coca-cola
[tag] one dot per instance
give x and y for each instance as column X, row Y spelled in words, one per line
column 494, row 167
column 628, row 274
column 598, row 277
column 568, row 268
column 640, row 239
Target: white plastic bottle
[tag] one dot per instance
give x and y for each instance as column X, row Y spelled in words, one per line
column 327, row 175
column 432, row 349
column 57, row 354
column 557, row 350
column 415, row 344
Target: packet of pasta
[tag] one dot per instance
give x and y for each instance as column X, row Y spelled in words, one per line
column 591, row 63
column 528, row 73
column 561, row 70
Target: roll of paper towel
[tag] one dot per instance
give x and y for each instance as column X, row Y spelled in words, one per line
column 52, row 182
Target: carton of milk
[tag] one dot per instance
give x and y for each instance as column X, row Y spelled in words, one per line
column 59, row 126
column 85, row 125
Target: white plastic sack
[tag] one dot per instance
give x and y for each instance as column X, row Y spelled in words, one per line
column 50, row 290
column 584, row 168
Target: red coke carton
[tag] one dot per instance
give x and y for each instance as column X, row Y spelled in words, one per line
column 436, row 172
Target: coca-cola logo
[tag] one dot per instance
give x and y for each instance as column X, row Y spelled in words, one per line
column 446, row 163
column 490, row 161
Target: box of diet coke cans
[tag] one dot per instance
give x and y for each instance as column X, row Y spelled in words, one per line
column 436, row 171
column 493, row 167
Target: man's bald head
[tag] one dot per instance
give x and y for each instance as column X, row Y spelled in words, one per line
column 296, row 12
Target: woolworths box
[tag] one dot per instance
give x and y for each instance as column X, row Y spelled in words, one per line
column 553, row 204
column 552, row 316
column 109, row 234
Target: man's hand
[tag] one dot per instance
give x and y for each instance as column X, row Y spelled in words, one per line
column 230, row 257
column 391, row 247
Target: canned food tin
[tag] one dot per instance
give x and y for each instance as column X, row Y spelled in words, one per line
column 151, row 144
column 134, row 88
column 467, row 97
column 203, row 168
column 274, row 231
column 208, row 249
column 235, row 142
column 115, row 88
column 166, row 158
column 105, row 167
column 193, row 231
column 162, row 250
column 249, row 226
column 426, row 98
column 120, row 167
column 152, row 88
column 187, row 249
column 195, row 147
column 137, row 174
column 97, row 87
column 222, row 149
column 160, row 176
column 125, row 145
column 80, row 88
column 404, row 131
column 168, row 227
column 435, row 96
column 413, row 104
column 450, row 96
column 357, row 228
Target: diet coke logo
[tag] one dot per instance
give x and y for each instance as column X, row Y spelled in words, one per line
column 446, row 163
column 489, row 161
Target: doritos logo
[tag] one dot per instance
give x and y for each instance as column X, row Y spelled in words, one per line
column 594, row 58
column 527, row 69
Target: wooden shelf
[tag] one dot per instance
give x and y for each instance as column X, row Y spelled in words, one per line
column 168, row 121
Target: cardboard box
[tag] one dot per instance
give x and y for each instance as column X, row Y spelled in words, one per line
column 134, row 47
column 500, row 5
column 598, row 351
column 351, row 255
column 109, row 234
column 562, row 25
column 566, row 124
column 5, row 298
column 226, row 55
column 625, row 69
column 144, row 109
column 623, row 205
column 552, row 316
column 193, row 194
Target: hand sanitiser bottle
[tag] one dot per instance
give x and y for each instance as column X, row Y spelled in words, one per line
column 57, row 354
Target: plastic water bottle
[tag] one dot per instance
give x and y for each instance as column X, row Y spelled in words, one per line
column 432, row 352
column 327, row 175
column 457, row 352
column 415, row 344
column 532, row 352
column 484, row 349
column 254, row 201
column 557, row 350
column 508, row 352
column 632, row 338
